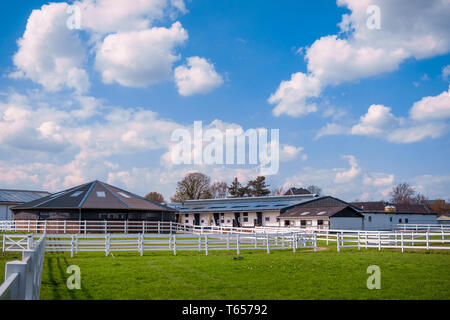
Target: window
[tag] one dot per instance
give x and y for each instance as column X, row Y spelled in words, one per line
column 222, row 221
column 76, row 194
column 390, row 219
column 406, row 220
column 267, row 219
column 187, row 215
column 400, row 220
column 101, row 194
column 202, row 221
column 245, row 219
column 123, row 194
column 319, row 222
column 286, row 222
column 245, row 214
column 228, row 221
column 222, row 214
column 370, row 219
column 186, row 221
column 303, row 223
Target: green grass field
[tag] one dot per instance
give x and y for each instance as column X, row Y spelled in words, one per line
column 325, row 274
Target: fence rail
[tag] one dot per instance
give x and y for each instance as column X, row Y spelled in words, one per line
column 23, row 278
column 90, row 226
column 394, row 240
column 173, row 242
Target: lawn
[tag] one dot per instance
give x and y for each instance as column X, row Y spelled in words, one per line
column 326, row 274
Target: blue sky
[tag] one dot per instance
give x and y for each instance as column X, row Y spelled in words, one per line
column 72, row 124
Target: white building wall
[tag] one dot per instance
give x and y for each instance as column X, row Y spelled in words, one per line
column 5, row 212
column 389, row 221
column 269, row 218
column 346, row 223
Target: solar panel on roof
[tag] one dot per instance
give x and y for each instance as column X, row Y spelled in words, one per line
column 20, row 196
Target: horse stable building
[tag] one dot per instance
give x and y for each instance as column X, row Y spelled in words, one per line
column 303, row 210
column 95, row 200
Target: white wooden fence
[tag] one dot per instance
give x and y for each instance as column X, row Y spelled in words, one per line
column 423, row 227
column 176, row 242
column 23, row 278
column 394, row 240
column 90, row 226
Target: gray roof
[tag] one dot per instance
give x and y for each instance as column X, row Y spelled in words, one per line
column 241, row 204
column 94, row 195
column 20, row 196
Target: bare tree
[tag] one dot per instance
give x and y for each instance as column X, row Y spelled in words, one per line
column 402, row 193
column 278, row 191
column 314, row 189
column 155, row 197
column 219, row 189
column 193, row 186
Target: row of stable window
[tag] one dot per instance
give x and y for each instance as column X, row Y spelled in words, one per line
column 390, row 219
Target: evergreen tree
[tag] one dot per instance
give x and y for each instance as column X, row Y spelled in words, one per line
column 258, row 187
column 235, row 188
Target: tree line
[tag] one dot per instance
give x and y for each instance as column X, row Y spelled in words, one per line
column 197, row 185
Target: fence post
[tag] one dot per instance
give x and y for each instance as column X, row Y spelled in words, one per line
column 237, row 243
column 159, row 227
column 106, row 245
column 294, row 242
column 228, row 241
column 141, row 243
column 379, row 241
column 45, row 226
column 337, row 242
column 3, row 244
column 359, row 244
column 206, row 244
column 170, row 226
column 199, row 242
column 174, row 244
column 125, row 226
column 28, row 225
column 315, row 241
column 327, row 237
column 428, row 241
column 85, row 226
column 72, row 246
column 268, row 247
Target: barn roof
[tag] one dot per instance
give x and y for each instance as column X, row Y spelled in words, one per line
column 320, row 211
column 241, row 204
column 94, row 195
column 402, row 208
column 20, row 196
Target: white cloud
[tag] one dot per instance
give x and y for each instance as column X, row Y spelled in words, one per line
column 437, row 107
column 350, row 174
column 427, row 120
column 127, row 47
column 119, row 15
column 446, row 72
column 378, row 179
column 290, row 97
column 332, row 129
column 289, row 152
column 353, row 183
column 377, row 121
column 199, row 76
column 139, row 58
column 49, row 53
column 408, row 30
